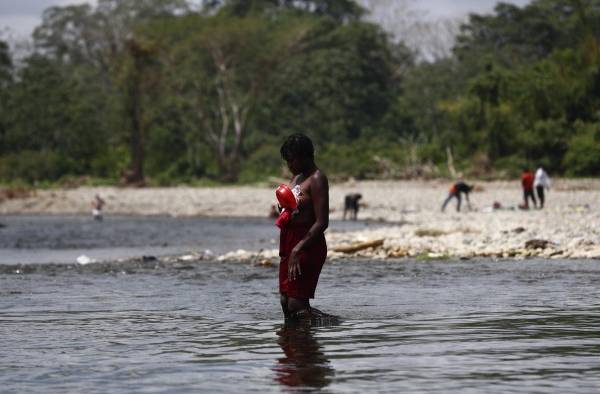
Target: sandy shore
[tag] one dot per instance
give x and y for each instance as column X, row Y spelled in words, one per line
column 405, row 215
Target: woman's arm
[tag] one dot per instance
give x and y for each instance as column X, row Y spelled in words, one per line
column 319, row 187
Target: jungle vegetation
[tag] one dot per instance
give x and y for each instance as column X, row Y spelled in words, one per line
column 161, row 92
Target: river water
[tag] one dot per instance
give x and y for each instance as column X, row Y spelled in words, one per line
column 205, row 326
column 63, row 238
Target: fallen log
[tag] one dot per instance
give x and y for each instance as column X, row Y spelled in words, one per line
column 359, row 246
column 537, row 244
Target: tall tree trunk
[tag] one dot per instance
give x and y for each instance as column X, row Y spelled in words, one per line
column 135, row 172
column 137, row 142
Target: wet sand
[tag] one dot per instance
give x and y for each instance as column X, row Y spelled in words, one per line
column 568, row 227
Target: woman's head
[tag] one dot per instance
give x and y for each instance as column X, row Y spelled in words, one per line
column 298, row 151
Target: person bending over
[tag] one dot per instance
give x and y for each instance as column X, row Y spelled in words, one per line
column 302, row 246
column 455, row 192
column 352, row 205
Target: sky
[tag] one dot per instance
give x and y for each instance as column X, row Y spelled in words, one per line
column 20, row 17
column 460, row 8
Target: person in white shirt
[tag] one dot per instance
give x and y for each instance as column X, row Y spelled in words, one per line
column 541, row 182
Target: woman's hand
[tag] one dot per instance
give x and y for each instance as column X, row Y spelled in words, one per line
column 294, row 270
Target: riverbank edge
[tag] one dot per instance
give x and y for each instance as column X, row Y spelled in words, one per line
column 408, row 211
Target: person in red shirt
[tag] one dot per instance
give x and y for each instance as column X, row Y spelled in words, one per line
column 527, row 183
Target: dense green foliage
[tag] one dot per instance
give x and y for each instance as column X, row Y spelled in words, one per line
column 152, row 90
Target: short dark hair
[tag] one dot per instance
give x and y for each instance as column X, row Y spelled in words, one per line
column 297, row 146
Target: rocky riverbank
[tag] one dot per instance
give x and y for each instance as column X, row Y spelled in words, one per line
column 404, row 217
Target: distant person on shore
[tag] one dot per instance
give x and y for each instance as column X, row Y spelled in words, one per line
column 352, row 205
column 273, row 212
column 527, row 184
column 541, row 182
column 302, row 246
column 97, row 205
column 455, row 192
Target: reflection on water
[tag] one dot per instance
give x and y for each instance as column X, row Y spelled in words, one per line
column 304, row 363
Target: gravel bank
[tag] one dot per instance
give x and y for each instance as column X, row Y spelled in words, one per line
column 568, row 227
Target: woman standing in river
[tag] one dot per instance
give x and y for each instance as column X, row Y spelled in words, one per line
column 302, row 246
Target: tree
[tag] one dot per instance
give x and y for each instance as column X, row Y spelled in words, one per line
column 6, row 70
column 53, row 109
column 101, row 38
column 339, row 87
column 6, row 65
column 339, row 10
column 84, row 34
column 583, row 155
column 517, row 35
column 136, row 83
column 219, row 66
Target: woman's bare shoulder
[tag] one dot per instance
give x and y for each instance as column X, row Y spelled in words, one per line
column 319, row 179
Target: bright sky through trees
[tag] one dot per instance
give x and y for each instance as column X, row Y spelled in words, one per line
column 21, row 16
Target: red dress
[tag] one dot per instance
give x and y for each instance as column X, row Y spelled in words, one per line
column 311, row 261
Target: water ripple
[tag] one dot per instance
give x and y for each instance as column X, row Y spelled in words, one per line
column 160, row 330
